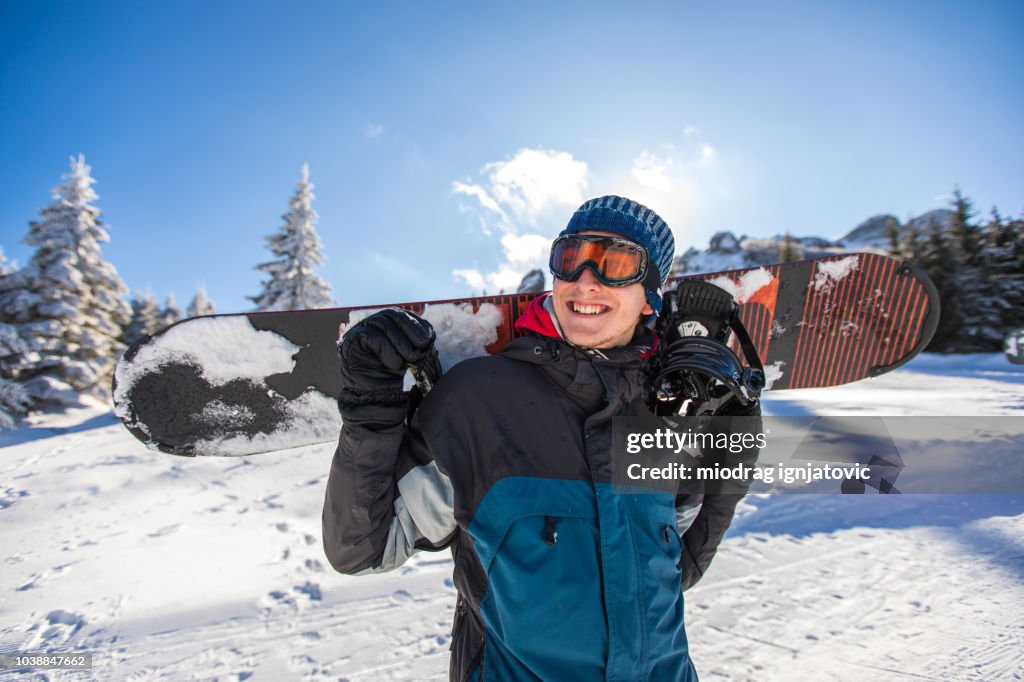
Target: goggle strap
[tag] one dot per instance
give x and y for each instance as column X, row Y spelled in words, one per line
column 652, row 280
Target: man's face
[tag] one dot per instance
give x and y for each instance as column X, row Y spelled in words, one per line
column 594, row 315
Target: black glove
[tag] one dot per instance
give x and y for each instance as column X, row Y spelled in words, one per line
column 375, row 355
column 701, row 375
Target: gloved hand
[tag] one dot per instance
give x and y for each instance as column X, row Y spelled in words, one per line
column 375, row 355
column 704, row 375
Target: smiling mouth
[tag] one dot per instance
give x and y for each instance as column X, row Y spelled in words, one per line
column 587, row 309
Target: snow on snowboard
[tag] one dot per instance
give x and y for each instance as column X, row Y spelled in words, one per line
column 227, row 385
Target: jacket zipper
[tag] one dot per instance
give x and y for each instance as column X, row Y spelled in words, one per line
column 550, row 531
column 668, row 533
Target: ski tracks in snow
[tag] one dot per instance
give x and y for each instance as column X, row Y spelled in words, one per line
column 898, row 604
column 358, row 632
column 212, row 569
column 182, row 569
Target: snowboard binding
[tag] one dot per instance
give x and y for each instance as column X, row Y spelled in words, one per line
column 695, row 372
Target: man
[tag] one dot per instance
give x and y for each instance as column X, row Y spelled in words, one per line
column 508, row 462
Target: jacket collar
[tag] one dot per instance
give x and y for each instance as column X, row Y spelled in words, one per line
column 538, row 319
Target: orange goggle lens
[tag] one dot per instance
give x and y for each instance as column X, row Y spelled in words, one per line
column 616, row 262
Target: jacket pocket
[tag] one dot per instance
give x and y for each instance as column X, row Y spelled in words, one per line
column 658, row 556
column 539, row 546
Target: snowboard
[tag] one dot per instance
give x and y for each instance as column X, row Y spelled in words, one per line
column 228, row 385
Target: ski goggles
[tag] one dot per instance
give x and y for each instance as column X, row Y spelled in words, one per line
column 616, row 262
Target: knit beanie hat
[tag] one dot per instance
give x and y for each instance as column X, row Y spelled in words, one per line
column 635, row 222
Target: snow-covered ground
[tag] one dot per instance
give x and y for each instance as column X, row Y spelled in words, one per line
column 182, row 569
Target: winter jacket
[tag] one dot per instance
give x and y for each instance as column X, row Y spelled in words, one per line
column 507, row 462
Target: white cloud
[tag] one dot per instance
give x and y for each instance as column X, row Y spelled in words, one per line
column 535, row 190
column 526, row 250
column 652, row 171
column 535, row 179
column 523, row 190
column 480, row 194
column 527, row 199
column 522, row 253
column 685, row 179
column 474, row 278
column 505, row 278
column 373, row 130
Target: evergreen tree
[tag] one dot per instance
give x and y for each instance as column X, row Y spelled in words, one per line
column 293, row 285
column 940, row 261
column 1014, row 266
column 201, row 304
column 895, row 236
column 1004, row 245
column 995, row 218
column 145, row 319
column 789, row 250
column 8, row 284
column 910, row 243
column 979, row 294
column 13, row 351
column 964, row 231
column 171, row 312
column 68, row 302
column 14, row 400
column 6, row 266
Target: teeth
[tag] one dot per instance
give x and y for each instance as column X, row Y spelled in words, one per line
column 589, row 309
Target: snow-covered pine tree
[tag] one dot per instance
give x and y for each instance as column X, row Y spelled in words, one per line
column 1004, row 245
column 911, row 246
column 939, row 258
column 9, row 284
column 789, row 250
column 966, row 235
column 201, row 304
column 171, row 312
column 145, row 319
column 14, row 400
column 6, row 266
column 979, row 293
column 68, row 303
column 893, row 234
column 1014, row 287
column 293, row 285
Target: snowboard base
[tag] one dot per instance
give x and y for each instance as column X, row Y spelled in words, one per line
column 228, row 385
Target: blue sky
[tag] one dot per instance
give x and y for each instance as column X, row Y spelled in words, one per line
column 449, row 142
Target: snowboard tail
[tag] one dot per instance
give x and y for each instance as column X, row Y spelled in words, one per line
column 243, row 384
column 832, row 321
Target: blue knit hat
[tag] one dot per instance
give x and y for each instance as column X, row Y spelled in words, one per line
column 635, row 222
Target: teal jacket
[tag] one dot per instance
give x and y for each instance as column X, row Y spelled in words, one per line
column 508, row 463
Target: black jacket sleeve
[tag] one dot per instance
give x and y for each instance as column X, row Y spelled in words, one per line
column 701, row 539
column 717, row 506
column 385, row 498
